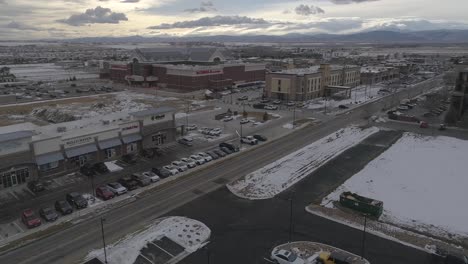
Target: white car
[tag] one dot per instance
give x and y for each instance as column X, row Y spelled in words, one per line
column 153, row 176
column 181, row 166
column 282, row 256
column 214, row 133
column 244, row 121
column 117, row 188
column 227, row 118
column 217, row 129
column 173, row 170
column 199, row 160
column 249, row 140
column 190, row 163
column 207, row 157
column 271, row 107
column 191, row 127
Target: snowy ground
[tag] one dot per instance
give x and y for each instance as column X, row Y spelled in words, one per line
column 276, row 177
column 188, row 233
column 359, row 95
column 47, row 72
column 422, row 182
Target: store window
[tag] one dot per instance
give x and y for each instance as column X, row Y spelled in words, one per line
column 110, row 153
column 132, row 147
column 49, row 166
column 159, row 139
column 13, row 178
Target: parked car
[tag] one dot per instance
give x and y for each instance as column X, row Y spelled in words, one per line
column 343, row 106
column 230, row 146
column 442, row 127
column 151, row 175
column 173, row 170
column 190, row 163
column 249, row 140
column 161, row 172
column 291, row 104
column 77, row 200
column 243, row 98
column 63, row 207
column 117, row 188
column 271, row 107
column 228, row 118
column 129, row 158
column 181, row 166
column 104, row 192
column 87, row 170
column 277, row 102
column 213, row 154
column 260, row 137
column 186, row 141
column 265, row 100
column 244, row 121
column 197, row 159
column 207, row 157
column 423, row 124
column 100, row 167
column 49, row 214
column 35, row 186
column 191, row 127
column 128, row 183
column 220, row 152
column 403, row 108
column 141, row 179
column 30, row 219
column 283, row 256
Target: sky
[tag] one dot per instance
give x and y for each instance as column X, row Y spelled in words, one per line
column 57, row 19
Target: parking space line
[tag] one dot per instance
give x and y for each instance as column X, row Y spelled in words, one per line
column 268, row 260
column 19, row 227
column 56, row 182
column 162, row 249
column 143, row 256
column 31, row 192
column 14, row 195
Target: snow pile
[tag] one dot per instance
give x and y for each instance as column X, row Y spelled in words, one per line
column 422, row 182
column 188, row 233
column 288, row 126
column 275, row 177
column 112, row 166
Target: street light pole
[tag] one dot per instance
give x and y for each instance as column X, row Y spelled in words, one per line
column 294, row 116
column 290, row 218
column 364, row 236
column 103, row 239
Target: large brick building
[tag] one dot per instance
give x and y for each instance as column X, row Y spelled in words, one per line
column 185, row 69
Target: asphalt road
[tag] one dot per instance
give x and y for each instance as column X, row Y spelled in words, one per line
column 71, row 244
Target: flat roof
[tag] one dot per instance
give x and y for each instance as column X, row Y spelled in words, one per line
column 154, row 111
column 15, row 135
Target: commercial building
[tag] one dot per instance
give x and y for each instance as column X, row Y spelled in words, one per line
column 459, row 99
column 184, row 69
column 29, row 151
column 6, row 76
column 377, row 74
column 308, row 83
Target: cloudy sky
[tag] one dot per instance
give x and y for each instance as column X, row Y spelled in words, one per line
column 32, row 19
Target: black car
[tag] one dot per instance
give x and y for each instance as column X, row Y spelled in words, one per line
column 63, row 207
column 129, row 158
column 36, row 186
column 219, row 153
column 48, row 214
column 100, row 167
column 161, row 172
column 77, row 200
column 343, row 107
column 87, row 170
column 128, row 183
column 260, row 137
column 230, row 146
column 226, row 150
column 213, row 154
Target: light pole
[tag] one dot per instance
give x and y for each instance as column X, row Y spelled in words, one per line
column 294, row 116
column 103, row 239
column 291, row 227
column 241, row 135
column 364, row 236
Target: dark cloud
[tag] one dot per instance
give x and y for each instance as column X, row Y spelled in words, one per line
column 99, row 15
column 346, row 2
column 307, row 10
column 213, row 21
column 206, row 6
column 21, row 26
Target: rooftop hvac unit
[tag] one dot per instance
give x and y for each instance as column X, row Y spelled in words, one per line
column 61, row 129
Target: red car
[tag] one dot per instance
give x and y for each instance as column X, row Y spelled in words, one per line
column 30, row 219
column 104, row 193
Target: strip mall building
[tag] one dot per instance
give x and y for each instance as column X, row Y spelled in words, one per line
column 184, row 69
column 30, row 152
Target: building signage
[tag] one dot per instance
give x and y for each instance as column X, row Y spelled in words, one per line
column 207, row 72
column 130, row 128
column 78, row 141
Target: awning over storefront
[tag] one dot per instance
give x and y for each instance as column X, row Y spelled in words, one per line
column 73, row 152
column 49, row 158
column 131, row 138
column 110, row 143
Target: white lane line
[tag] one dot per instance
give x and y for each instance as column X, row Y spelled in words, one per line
column 19, row 227
column 143, row 256
column 31, row 192
column 162, row 249
column 56, row 182
column 14, row 195
column 268, row 260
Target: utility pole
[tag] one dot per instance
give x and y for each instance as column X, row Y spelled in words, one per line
column 93, row 191
column 294, row 117
column 186, row 114
column 290, row 218
column 103, row 239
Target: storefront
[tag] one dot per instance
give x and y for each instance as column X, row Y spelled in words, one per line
column 79, row 151
column 131, row 137
column 14, row 177
column 158, row 126
column 49, row 156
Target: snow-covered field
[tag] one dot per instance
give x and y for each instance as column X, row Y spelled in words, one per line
column 47, row 72
column 359, row 95
column 188, row 233
column 276, row 177
column 422, row 182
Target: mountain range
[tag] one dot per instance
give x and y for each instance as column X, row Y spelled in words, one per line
column 431, row 36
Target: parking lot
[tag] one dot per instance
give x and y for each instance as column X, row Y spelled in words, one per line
column 159, row 251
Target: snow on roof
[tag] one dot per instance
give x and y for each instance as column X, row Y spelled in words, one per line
column 15, row 135
column 154, row 111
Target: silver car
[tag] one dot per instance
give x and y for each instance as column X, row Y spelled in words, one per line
column 117, row 188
